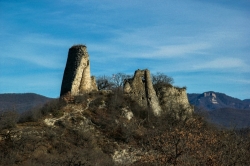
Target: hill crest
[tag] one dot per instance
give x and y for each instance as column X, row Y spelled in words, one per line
column 211, row 100
column 21, row 102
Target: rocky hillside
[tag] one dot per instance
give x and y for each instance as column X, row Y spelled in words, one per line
column 21, row 102
column 145, row 122
column 108, row 128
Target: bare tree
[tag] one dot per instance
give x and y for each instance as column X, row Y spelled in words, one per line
column 8, row 119
column 115, row 81
column 160, row 79
column 118, row 79
column 104, row 83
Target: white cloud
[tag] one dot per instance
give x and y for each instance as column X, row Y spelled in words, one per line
column 177, row 50
column 172, row 36
column 221, row 63
column 35, row 57
column 239, row 80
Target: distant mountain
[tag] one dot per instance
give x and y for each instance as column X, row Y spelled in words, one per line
column 213, row 100
column 246, row 100
column 21, row 102
column 230, row 118
column 222, row 109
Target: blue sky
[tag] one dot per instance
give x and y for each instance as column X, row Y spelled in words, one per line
column 203, row 45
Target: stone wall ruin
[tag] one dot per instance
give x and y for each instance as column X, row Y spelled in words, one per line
column 174, row 100
column 170, row 99
column 77, row 80
column 140, row 89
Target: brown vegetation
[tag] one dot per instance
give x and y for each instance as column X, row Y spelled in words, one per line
column 163, row 140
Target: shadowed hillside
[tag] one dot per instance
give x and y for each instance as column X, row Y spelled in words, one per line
column 108, row 128
column 21, row 102
column 230, row 118
column 222, row 110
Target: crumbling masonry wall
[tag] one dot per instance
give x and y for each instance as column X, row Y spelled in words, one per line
column 140, row 89
column 174, row 100
column 170, row 99
column 77, row 78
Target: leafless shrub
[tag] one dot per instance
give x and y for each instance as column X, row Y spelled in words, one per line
column 111, row 82
column 53, row 107
column 104, row 83
column 8, row 119
column 30, row 116
column 164, row 140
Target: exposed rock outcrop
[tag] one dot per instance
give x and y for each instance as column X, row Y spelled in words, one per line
column 77, row 78
column 141, row 90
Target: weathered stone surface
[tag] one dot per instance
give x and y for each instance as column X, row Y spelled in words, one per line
column 93, row 84
column 141, row 90
column 175, row 100
column 76, row 78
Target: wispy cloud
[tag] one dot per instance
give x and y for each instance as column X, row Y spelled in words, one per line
column 241, row 81
column 177, row 50
column 32, row 57
column 170, row 36
column 221, row 63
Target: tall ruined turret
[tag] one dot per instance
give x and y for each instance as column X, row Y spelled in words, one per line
column 77, row 78
column 141, row 89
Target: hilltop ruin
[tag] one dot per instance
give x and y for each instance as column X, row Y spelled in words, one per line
column 140, row 89
column 175, row 101
column 170, row 99
column 77, row 78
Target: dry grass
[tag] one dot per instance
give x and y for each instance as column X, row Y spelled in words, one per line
column 161, row 140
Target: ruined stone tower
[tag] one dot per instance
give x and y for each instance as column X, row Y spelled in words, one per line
column 141, row 90
column 77, row 78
